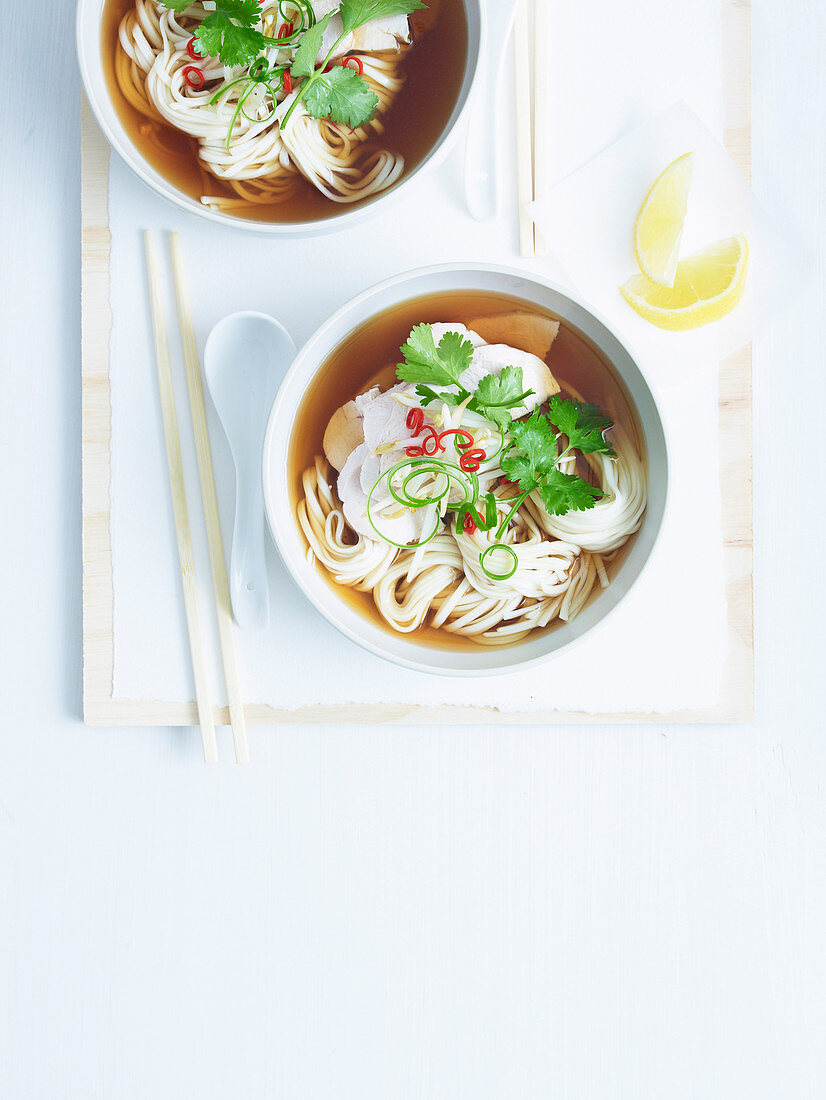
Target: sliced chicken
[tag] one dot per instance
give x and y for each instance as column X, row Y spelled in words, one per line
column 349, row 480
column 370, row 473
column 344, row 433
column 364, row 399
column 385, row 420
column 401, row 525
column 526, row 331
column 353, row 498
column 443, row 327
column 346, row 429
column 381, row 34
column 377, row 36
column 493, row 358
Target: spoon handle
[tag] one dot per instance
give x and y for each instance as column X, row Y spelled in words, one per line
column 481, row 176
column 483, row 190
column 248, row 563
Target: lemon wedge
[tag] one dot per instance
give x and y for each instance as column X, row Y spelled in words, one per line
column 659, row 226
column 707, row 286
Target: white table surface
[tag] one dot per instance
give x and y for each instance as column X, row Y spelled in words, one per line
column 583, row 913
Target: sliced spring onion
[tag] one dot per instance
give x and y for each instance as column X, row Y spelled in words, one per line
column 468, row 517
column 418, row 467
column 259, row 73
column 489, row 572
column 469, row 509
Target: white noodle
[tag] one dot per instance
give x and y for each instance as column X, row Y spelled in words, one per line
column 263, row 162
column 562, row 560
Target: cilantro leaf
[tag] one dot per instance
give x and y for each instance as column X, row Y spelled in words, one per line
column 563, row 493
column 503, row 391
column 533, row 452
column 498, row 389
column 430, row 365
column 456, row 353
column 234, row 45
column 229, row 31
column 532, row 460
column 497, row 393
column 500, row 417
column 518, row 470
column 176, row 5
column 342, row 95
column 584, row 425
column 355, row 13
column 428, row 395
column 245, row 12
column 307, row 52
column 210, row 37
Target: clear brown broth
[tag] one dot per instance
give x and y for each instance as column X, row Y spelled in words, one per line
column 356, row 365
column 434, row 68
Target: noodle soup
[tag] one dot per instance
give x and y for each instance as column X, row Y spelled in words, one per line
column 418, row 503
column 240, row 140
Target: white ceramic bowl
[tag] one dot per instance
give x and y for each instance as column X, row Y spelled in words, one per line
column 90, row 56
column 405, row 649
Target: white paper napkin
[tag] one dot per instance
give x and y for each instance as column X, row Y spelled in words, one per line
column 587, row 220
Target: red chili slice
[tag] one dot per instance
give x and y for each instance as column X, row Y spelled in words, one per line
column 462, row 443
column 286, row 30
column 344, row 62
column 190, row 49
column 471, row 460
column 288, row 82
column 190, row 72
column 469, row 524
column 432, row 443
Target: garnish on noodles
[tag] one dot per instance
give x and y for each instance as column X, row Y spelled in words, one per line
column 231, row 32
column 277, row 90
column 529, row 455
column 476, row 471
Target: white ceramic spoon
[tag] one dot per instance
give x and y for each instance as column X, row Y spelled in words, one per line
column 483, row 190
column 245, row 359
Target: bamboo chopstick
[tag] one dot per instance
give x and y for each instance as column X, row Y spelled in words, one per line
column 182, row 531
column 541, row 109
column 217, row 559
column 524, row 164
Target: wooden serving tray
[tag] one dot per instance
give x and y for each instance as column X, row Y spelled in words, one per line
column 735, row 426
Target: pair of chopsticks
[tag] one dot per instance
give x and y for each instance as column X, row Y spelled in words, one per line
column 210, row 504
column 532, row 135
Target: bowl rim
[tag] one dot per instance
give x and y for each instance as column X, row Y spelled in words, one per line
column 298, row 368
column 93, row 80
